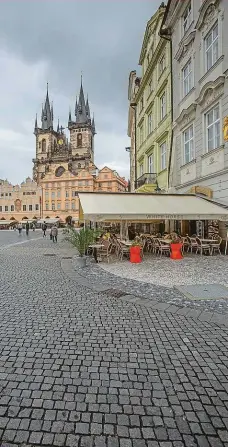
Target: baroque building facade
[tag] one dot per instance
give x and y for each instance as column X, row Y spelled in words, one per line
column 150, row 99
column 199, row 162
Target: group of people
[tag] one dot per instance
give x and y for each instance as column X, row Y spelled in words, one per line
column 53, row 232
column 27, row 228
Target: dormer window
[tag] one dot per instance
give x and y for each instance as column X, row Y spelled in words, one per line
column 187, row 18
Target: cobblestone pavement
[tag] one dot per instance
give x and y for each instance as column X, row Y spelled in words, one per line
column 118, row 274
column 80, row 368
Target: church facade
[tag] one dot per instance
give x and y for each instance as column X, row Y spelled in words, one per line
column 63, row 168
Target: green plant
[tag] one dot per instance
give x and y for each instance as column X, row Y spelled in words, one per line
column 81, row 239
column 136, row 242
column 176, row 240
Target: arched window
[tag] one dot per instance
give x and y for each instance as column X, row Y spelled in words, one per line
column 43, row 145
column 79, row 140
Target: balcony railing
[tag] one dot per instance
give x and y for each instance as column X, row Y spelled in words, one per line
column 148, row 178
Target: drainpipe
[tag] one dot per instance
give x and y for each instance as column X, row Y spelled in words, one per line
column 165, row 34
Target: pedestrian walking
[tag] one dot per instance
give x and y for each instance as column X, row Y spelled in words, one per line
column 19, row 227
column 33, row 227
column 27, row 228
column 54, row 233
column 44, row 229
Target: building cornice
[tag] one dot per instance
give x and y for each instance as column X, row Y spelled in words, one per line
column 150, row 27
column 207, row 11
column 211, row 91
column 184, row 44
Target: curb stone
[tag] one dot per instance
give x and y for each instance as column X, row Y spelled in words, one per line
column 204, row 316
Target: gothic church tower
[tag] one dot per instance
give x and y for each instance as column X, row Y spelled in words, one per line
column 82, row 130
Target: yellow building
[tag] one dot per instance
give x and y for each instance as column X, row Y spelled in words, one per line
column 153, row 109
column 19, row 202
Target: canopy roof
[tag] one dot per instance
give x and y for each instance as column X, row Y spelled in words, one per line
column 48, row 220
column 138, row 207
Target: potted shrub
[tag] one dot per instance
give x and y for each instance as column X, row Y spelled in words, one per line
column 135, row 251
column 176, row 248
column 81, row 240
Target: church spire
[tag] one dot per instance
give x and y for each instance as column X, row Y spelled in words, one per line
column 36, row 126
column 76, row 106
column 81, row 116
column 47, row 114
column 93, row 126
column 58, row 126
column 87, row 108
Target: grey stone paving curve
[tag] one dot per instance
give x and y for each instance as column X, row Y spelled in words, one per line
column 79, row 367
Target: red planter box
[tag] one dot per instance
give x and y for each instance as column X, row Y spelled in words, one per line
column 176, row 251
column 135, row 257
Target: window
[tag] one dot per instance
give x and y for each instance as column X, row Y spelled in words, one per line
column 30, row 207
column 150, row 123
column 67, row 193
column 12, row 208
column 163, row 156
column 53, row 206
column 211, row 47
column 1, row 208
column 24, row 207
column 213, row 128
column 162, row 64
column 6, row 208
column 10, row 194
column 74, row 193
column 43, row 145
column 163, row 106
column 66, row 205
column 46, row 194
column 6, row 194
column 53, row 194
column 141, row 134
column 151, row 163
column 37, row 207
column 58, row 194
column 2, row 194
column 47, row 206
column 58, row 206
column 141, row 169
column 73, row 205
column 187, row 16
column 79, row 140
column 188, row 141
column 187, row 78
column 109, row 183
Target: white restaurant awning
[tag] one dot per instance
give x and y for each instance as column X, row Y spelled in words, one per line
column 138, row 207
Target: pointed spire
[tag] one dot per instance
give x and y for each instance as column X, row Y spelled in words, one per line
column 69, row 119
column 47, row 114
column 52, row 114
column 76, row 106
column 81, row 117
column 87, row 108
column 58, row 126
column 36, row 126
column 93, row 125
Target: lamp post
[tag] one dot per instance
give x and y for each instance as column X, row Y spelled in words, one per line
column 134, row 107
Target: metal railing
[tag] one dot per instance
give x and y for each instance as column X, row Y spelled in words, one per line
column 149, row 178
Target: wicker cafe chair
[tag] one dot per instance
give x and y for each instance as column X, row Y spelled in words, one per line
column 215, row 245
column 164, row 248
column 104, row 252
column 203, row 247
column 123, row 250
column 193, row 245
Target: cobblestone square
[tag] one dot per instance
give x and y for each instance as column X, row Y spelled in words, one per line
column 84, row 368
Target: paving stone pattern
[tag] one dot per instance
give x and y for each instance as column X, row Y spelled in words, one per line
column 81, row 368
column 102, row 273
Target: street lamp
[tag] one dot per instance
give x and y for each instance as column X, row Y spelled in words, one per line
column 134, row 107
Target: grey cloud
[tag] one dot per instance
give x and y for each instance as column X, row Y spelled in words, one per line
column 102, row 38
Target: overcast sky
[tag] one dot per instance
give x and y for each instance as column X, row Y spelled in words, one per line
column 54, row 40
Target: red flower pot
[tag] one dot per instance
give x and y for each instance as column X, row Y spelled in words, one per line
column 176, row 251
column 135, row 257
